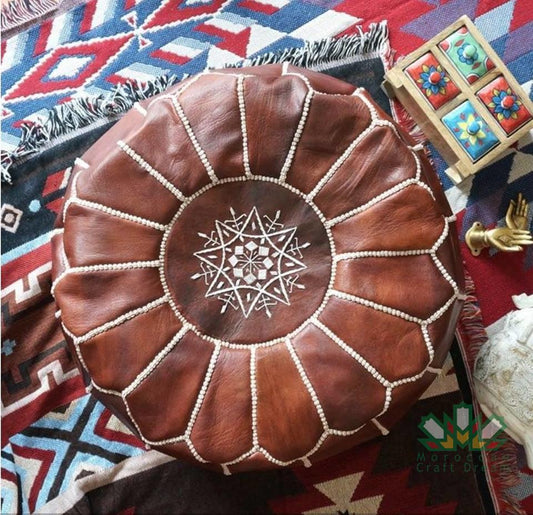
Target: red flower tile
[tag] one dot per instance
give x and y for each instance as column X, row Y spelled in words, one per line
column 432, row 80
column 504, row 104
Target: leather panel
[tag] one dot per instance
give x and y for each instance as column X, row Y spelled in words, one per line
column 339, row 381
column 106, row 295
column 376, row 229
column 179, row 163
column 223, row 113
column 105, row 183
column 395, row 348
column 288, row 425
column 231, row 435
column 93, row 237
column 325, row 138
column 135, row 342
column 390, row 282
column 273, row 107
column 378, row 163
column 163, row 403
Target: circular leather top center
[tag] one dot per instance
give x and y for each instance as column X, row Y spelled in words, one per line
column 247, row 262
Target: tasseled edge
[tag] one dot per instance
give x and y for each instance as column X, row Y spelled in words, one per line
column 471, row 323
column 81, row 112
column 502, row 463
column 326, row 51
column 78, row 113
column 17, row 12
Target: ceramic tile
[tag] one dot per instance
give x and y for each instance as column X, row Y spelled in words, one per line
column 432, row 80
column 504, row 104
column 470, row 130
column 466, row 54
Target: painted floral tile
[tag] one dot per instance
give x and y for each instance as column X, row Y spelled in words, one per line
column 432, row 80
column 466, row 54
column 504, row 104
column 470, row 130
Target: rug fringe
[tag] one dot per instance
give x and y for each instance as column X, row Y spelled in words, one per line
column 502, row 462
column 81, row 112
column 78, row 113
column 17, row 12
column 472, row 322
column 315, row 53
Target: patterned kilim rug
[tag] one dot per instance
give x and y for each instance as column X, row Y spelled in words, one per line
column 62, row 451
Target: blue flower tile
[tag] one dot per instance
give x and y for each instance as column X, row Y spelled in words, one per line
column 470, row 130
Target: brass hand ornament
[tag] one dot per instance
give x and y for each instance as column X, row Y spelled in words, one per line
column 506, row 239
column 516, row 217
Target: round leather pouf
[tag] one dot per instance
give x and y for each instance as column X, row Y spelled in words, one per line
column 257, row 268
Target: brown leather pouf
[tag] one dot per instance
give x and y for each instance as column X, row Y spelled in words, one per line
column 257, row 269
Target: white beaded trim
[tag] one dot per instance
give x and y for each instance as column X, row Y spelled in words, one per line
column 104, row 390
column 374, row 305
column 140, row 108
column 242, row 114
column 308, row 385
column 383, row 429
column 296, row 138
column 121, row 319
column 203, row 390
column 105, row 267
column 380, row 253
column 444, row 272
column 427, row 341
column 115, row 212
column 360, row 93
column 441, row 310
column 253, row 394
column 344, row 346
column 199, row 150
column 221, row 74
column 160, row 356
column 280, row 463
column 151, row 170
column 81, row 163
column 348, row 432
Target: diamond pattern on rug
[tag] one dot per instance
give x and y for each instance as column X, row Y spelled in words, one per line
column 105, row 42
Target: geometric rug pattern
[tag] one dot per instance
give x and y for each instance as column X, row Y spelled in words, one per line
column 69, row 443
column 105, row 42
